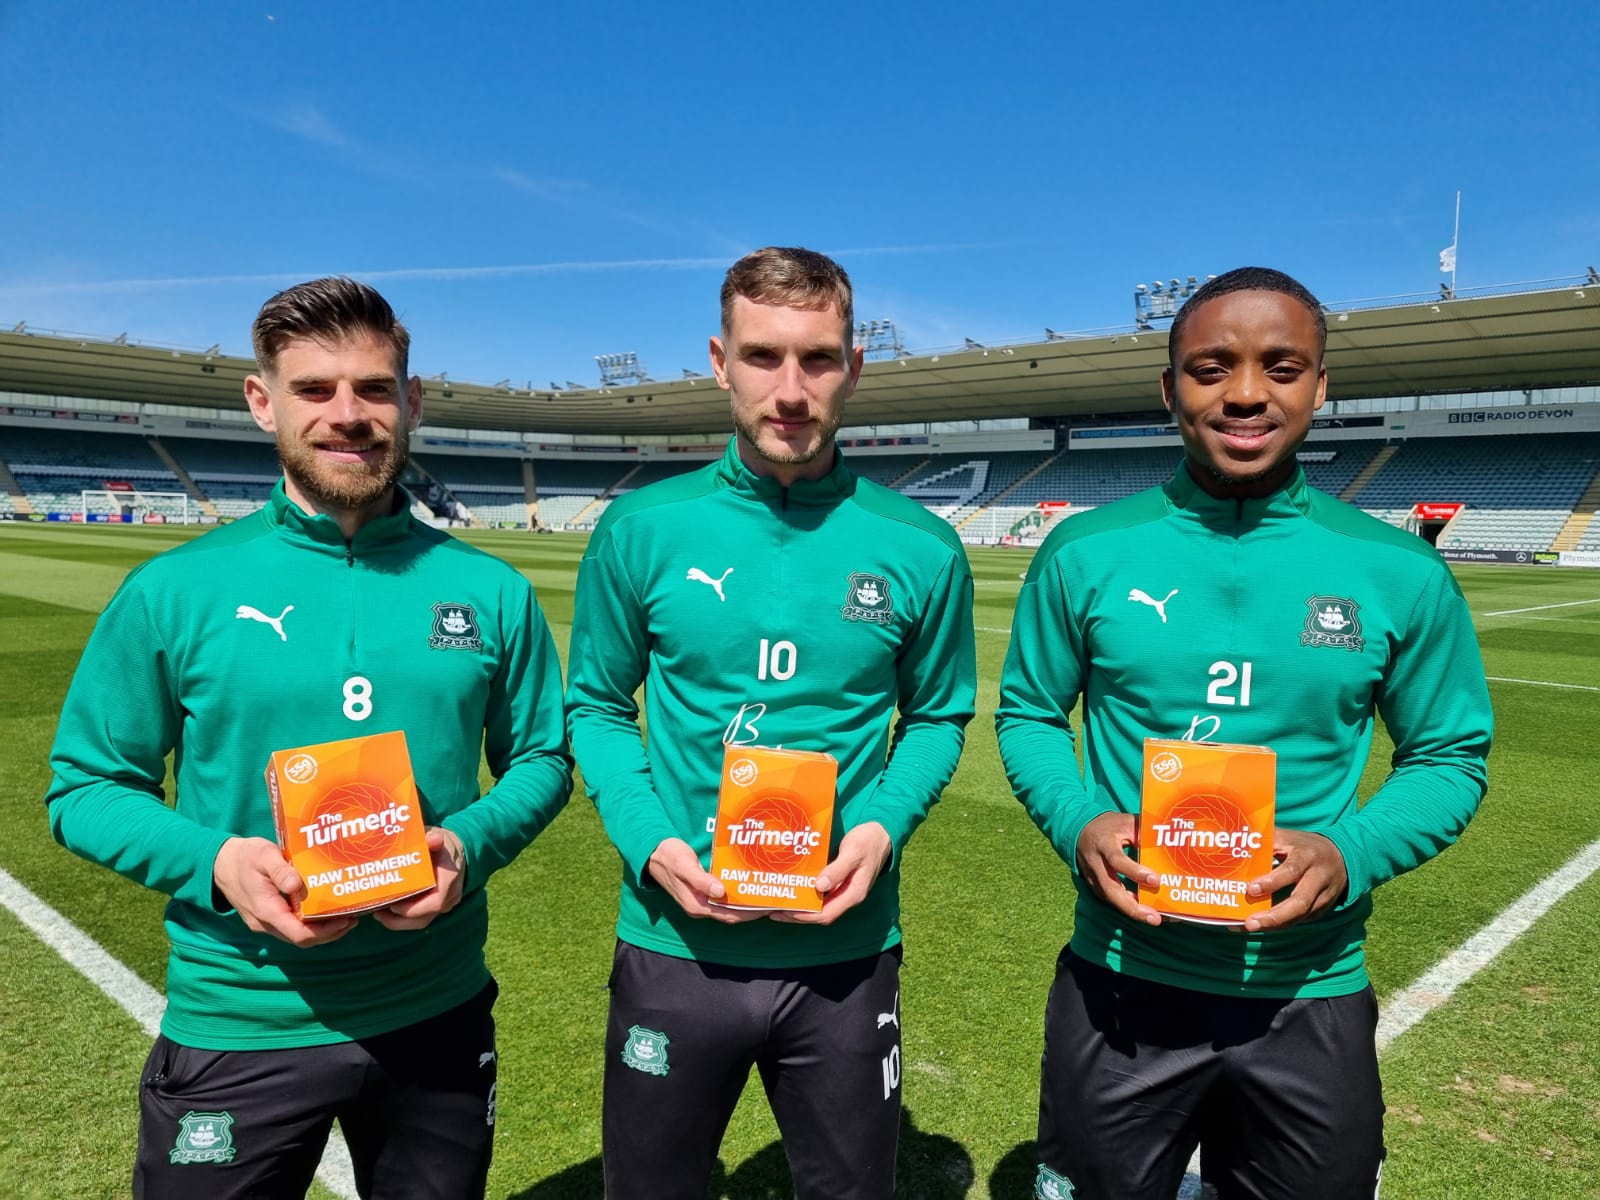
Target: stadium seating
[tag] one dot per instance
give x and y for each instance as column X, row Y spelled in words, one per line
column 1518, row 490
column 1528, row 471
column 89, row 448
column 204, row 458
column 54, row 468
column 569, row 477
column 1504, row 529
column 557, row 512
column 883, row 468
column 653, row 472
column 1349, row 458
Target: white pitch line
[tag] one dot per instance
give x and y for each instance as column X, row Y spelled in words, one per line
column 1577, row 687
column 992, row 629
column 1407, row 1007
column 1510, row 612
column 1404, row 1010
column 136, row 998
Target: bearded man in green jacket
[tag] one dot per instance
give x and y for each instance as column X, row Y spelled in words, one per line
column 773, row 598
column 329, row 614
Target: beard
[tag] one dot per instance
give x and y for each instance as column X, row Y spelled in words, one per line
column 345, row 485
column 775, row 450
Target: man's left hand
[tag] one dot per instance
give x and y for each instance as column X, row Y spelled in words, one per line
column 845, row 882
column 1309, row 863
column 450, row 873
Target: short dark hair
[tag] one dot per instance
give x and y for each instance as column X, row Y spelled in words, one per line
column 322, row 309
column 791, row 276
column 1247, row 279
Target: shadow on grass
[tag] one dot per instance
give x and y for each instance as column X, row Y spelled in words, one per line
column 930, row 1167
column 1013, row 1176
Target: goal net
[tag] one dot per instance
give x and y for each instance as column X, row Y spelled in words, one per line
column 133, row 507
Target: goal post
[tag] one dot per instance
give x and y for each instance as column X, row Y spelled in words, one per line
column 118, row 505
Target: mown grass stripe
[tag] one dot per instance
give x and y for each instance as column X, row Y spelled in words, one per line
column 136, row 998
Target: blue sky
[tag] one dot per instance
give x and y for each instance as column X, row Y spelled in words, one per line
column 535, row 184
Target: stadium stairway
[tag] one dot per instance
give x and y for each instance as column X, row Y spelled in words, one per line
column 603, row 498
column 530, row 493
column 9, row 485
column 435, row 494
column 993, row 500
column 202, row 501
column 1367, row 472
column 1583, row 515
column 905, row 475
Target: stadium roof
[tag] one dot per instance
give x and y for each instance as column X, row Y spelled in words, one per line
column 1537, row 338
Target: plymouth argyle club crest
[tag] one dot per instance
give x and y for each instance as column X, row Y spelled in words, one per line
column 455, row 627
column 1051, row 1185
column 646, row 1050
column 868, row 599
column 1332, row 621
column 204, row 1137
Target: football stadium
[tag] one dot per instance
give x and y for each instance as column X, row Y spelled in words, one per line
column 1471, row 419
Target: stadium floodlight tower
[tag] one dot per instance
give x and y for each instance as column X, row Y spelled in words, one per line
column 879, row 339
column 1161, row 301
column 620, row 368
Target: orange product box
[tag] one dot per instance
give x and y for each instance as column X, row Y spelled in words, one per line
column 774, row 818
column 1205, row 827
column 349, row 821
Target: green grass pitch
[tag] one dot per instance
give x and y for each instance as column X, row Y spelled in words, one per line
column 1494, row 1095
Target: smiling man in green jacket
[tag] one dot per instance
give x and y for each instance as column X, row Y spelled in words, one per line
column 1234, row 604
column 329, row 614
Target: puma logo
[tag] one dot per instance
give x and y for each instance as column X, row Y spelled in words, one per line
column 1144, row 597
column 699, row 576
column 246, row 613
column 892, row 1017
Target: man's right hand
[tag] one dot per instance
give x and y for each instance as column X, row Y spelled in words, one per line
column 255, row 879
column 676, row 868
column 1103, row 861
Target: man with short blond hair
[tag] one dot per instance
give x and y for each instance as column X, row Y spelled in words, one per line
column 773, row 598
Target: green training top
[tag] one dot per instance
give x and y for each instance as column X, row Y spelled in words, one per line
column 273, row 633
column 1285, row 622
column 762, row 615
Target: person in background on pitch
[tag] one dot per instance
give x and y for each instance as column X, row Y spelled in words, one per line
column 1288, row 620
column 329, row 614
column 773, row 598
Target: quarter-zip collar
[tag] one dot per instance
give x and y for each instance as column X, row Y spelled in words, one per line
column 838, row 483
column 318, row 531
column 1289, row 502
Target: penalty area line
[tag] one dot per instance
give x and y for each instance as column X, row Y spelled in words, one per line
column 1511, row 612
column 1406, row 1008
column 136, row 998
column 1576, row 687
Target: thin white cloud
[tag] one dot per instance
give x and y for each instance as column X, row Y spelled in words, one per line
column 306, row 120
column 500, row 271
column 561, row 191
